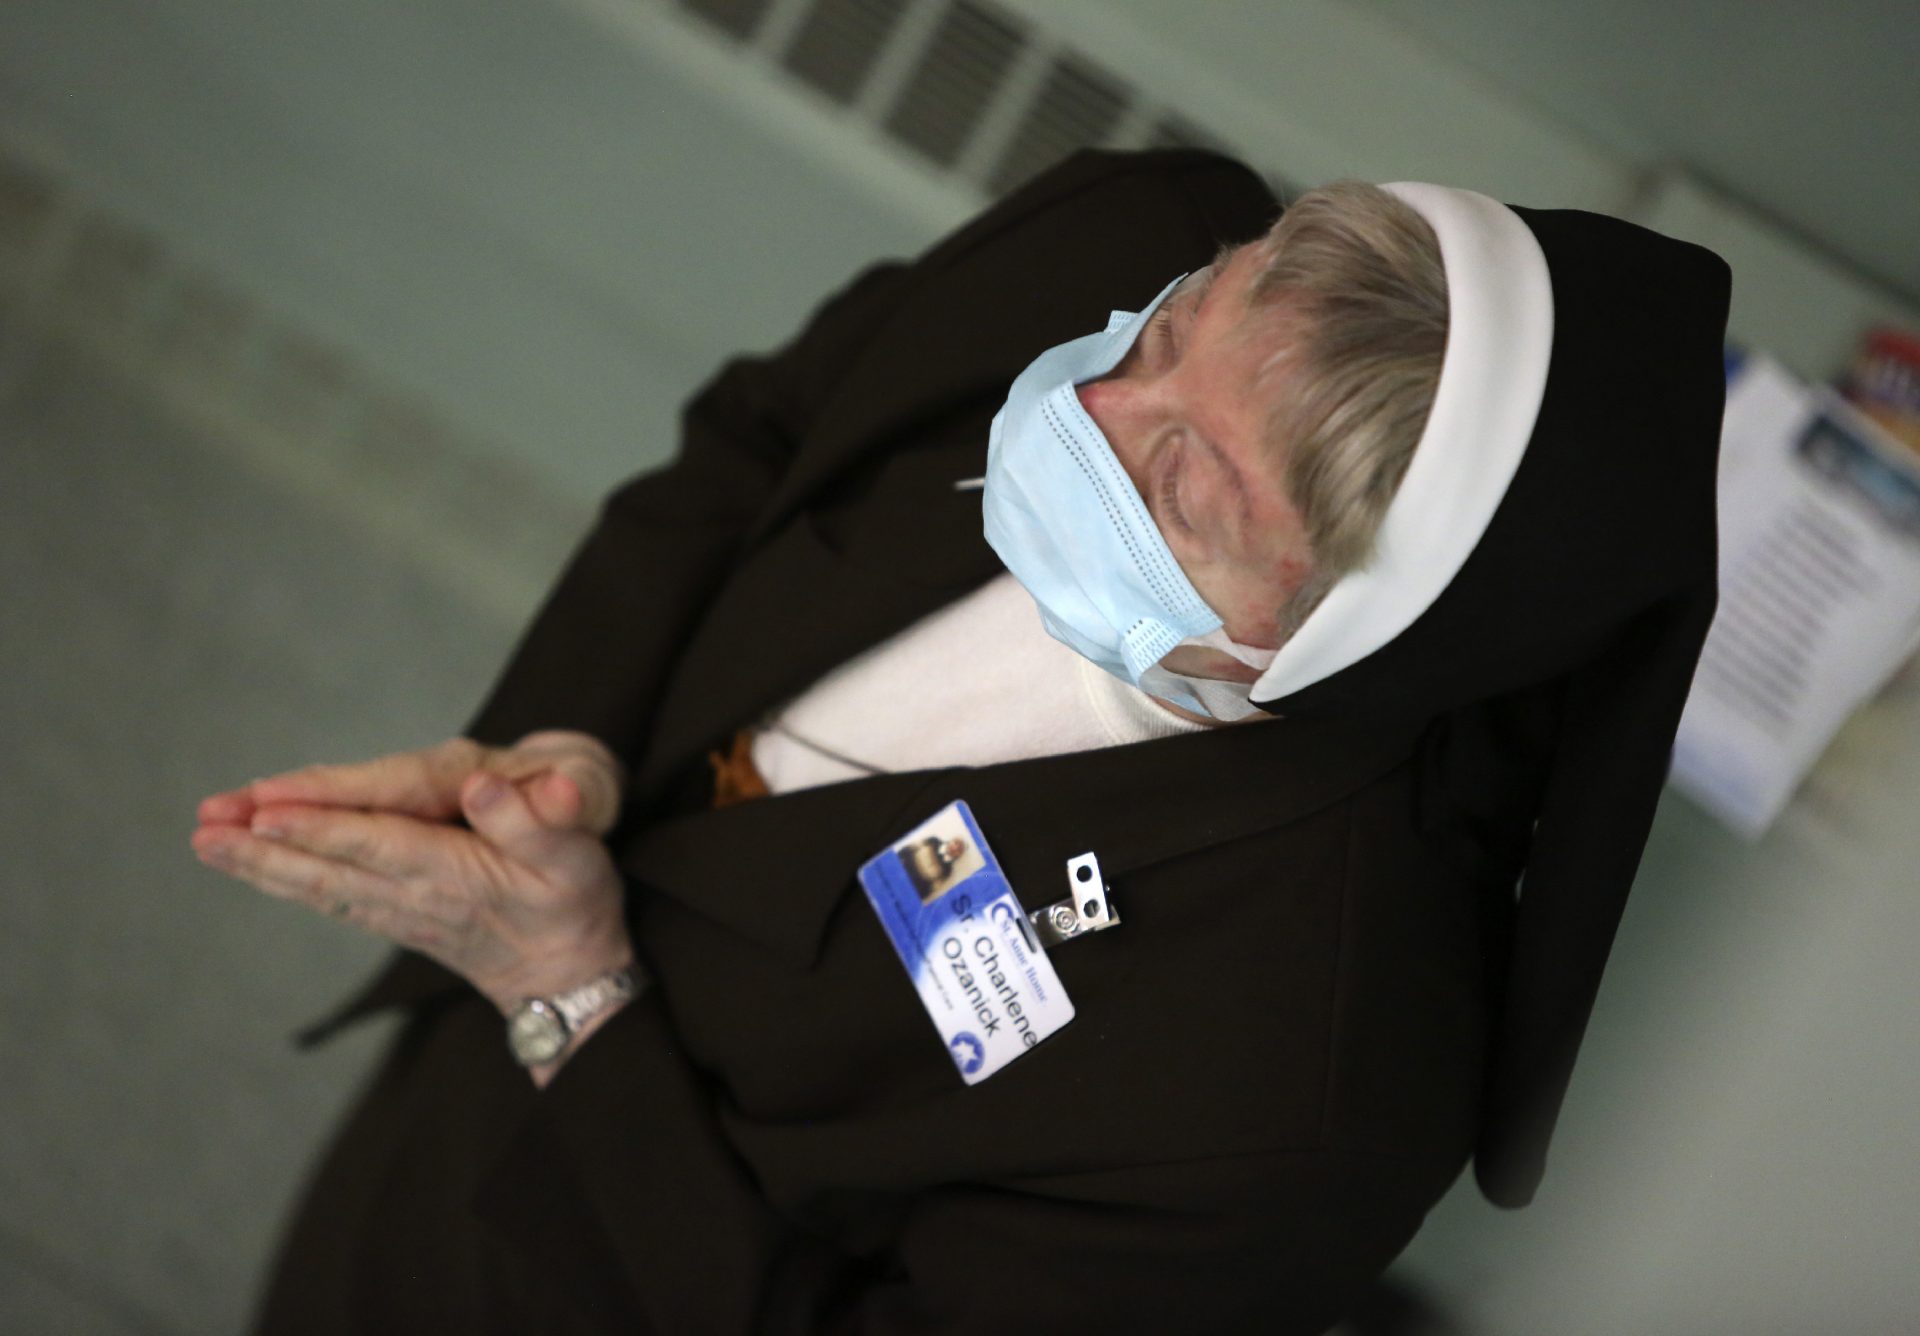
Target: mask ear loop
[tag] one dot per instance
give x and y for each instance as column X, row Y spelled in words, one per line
column 1218, row 639
column 1228, row 702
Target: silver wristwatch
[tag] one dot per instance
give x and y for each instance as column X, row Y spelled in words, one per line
column 539, row 1029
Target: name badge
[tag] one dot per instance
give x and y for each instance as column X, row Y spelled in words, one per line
column 958, row 928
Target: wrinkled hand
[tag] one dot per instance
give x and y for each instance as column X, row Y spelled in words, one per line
column 527, row 902
column 426, row 783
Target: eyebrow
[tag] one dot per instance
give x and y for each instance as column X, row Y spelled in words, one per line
column 1221, row 259
column 1210, row 272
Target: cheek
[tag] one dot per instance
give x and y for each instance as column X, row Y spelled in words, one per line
column 1248, row 599
column 1251, row 614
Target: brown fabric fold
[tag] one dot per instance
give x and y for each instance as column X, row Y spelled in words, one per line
column 735, row 779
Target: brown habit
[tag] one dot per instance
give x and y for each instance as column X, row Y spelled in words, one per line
column 1275, row 1065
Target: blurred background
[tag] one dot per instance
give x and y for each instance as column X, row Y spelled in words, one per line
column 325, row 325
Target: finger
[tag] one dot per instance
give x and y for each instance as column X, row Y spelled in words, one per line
column 568, row 800
column 384, row 843
column 500, row 813
column 597, row 773
column 596, row 796
column 556, row 799
column 348, row 894
column 423, row 782
column 404, row 781
column 293, row 874
column 234, row 807
column 589, row 800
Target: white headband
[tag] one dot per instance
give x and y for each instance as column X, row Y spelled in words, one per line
column 1492, row 379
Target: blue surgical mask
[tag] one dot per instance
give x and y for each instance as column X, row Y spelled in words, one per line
column 1066, row 519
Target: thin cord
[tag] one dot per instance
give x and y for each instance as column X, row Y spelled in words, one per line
column 828, row 752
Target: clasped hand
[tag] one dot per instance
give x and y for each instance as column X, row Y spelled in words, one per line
column 526, row 903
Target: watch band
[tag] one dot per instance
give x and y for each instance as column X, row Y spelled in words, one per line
column 580, row 1005
column 540, row 1029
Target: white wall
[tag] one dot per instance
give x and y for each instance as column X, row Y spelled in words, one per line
column 1811, row 114
column 550, row 232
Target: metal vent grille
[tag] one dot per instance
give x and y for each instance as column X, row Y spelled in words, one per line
column 957, row 74
column 736, row 18
column 1079, row 104
column 838, row 43
column 963, row 85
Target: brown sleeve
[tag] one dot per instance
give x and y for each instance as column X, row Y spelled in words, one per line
column 599, row 649
column 1278, row 1242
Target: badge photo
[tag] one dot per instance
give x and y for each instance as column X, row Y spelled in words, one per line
column 965, row 942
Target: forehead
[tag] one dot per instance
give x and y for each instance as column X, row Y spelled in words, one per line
column 1230, row 261
column 1262, row 338
column 1227, row 290
column 1239, row 356
column 1214, row 305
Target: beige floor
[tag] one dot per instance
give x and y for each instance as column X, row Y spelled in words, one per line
column 176, row 623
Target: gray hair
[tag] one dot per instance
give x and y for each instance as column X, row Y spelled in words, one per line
column 1352, row 277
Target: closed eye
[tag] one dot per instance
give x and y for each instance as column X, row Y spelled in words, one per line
column 1161, row 326
column 1185, row 299
column 1169, row 496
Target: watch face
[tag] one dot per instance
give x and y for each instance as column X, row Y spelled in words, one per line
column 536, row 1033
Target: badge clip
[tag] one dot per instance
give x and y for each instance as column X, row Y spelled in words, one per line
column 1088, row 909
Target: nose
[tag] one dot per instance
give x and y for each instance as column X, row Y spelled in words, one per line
column 1116, row 405
column 1097, row 396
